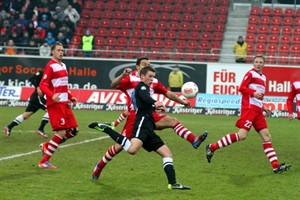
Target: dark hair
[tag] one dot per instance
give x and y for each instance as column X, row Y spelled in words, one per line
column 259, row 56
column 146, row 69
column 138, row 61
column 55, row 44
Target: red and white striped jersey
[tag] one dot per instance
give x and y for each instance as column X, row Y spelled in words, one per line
column 294, row 93
column 129, row 82
column 252, row 82
column 55, row 80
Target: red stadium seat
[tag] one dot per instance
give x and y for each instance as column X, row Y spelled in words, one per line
column 265, row 20
column 96, row 14
column 127, row 24
column 288, row 21
column 82, row 22
column 276, row 21
column 262, row 38
column 252, row 28
column 139, row 24
column 110, row 5
column 250, row 37
column 79, row 31
column 217, row 36
column 105, row 23
column 196, row 26
column 295, row 59
column 272, row 48
column 118, row 14
column 296, row 30
column 167, row 7
column 173, row 25
column 132, row 6
column 116, row 23
column 180, row 44
column 165, row 16
column 183, row 35
column 274, row 39
column 185, row 26
column 194, row 35
column 285, row 39
column 157, row 43
column 260, row 48
column 108, row 14
column 263, row 29
column 275, row 30
column 154, row 7
column 296, row 39
column 253, row 19
column 209, row 18
column 160, row 34
column 133, row 42
column 297, row 21
column 153, row 16
column 141, row 15
column 162, row 25
column 204, row 45
column 145, row 42
column 289, row 12
column 219, row 27
column 190, row 8
column 122, row 42
column 178, row 8
column 295, row 48
column 125, row 33
column 297, row 14
column 284, row 48
column 271, row 58
column 136, row 33
column 277, row 11
column 216, row 44
column 266, row 11
column 111, row 41
column 99, row 41
column 205, row 36
column 76, row 40
column 198, row 17
column 286, row 30
column 148, row 34
column 169, row 43
column 85, row 13
column 98, row 6
column 129, row 15
column 89, row 5
column 283, row 59
column 187, row 17
column 113, row 32
column 255, row 10
column 192, row 44
column 121, row 6
column 175, row 16
column 222, row 10
column 221, row 19
column 211, row 9
column 208, row 26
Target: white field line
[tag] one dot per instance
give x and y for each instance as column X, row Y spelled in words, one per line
column 62, row 146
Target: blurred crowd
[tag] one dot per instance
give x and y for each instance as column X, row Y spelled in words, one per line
column 36, row 23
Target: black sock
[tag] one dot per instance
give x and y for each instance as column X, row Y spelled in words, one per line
column 118, row 138
column 43, row 124
column 12, row 124
column 169, row 170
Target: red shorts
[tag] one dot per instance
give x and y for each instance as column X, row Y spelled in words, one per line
column 251, row 118
column 61, row 117
column 127, row 129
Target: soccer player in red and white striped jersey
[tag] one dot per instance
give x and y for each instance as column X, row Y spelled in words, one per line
column 54, row 85
column 252, row 88
column 126, row 82
column 294, row 93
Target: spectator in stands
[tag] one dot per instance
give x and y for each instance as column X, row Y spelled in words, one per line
column 17, row 5
column 24, row 41
column 240, row 50
column 47, row 13
column 67, row 32
column 30, row 29
column 175, row 79
column 45, row 50
column 62, row 39
column 59, row 12
column 32, row 48
column 37, row 39
column 15, row 38
column 35, row 21
column 10, row 19
column 22, row 20
column 19, row 29
column 72, row 14
column 3, row 37
column 50, row 39
column 67, row 22
column 10, row 48
column 63, row 4
column 51, row 5
column 44, row 23
column 53, row 28
column 87, row 44
column 55, row 20
column 76, row 5
column 40, row 32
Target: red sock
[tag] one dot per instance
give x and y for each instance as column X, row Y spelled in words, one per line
column 271, row 154
column 225, row 141
column 184, row 132
column 52, row 145
column 121, row 118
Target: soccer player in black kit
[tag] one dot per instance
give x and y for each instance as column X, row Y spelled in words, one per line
column 143, row 132
column 36, row 102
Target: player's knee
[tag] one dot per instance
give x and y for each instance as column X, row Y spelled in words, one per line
column 132, row 151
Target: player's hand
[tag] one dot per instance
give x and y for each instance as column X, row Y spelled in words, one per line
column 127, row 71
column 267, row 110
column 160, row 106
column 186, row 103
column 290, row 117
column 39, row 92
column 56, row 97
column 74, row 101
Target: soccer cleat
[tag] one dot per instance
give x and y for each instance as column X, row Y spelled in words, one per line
column 46, row 164
column 282, row 168
column 41, row 133
column 96, row 172
column 178, row 186
column 111, row 124
column 209, row 153
column 199, row 139
column 43, row 147
column 7, row 131
column 99, row 126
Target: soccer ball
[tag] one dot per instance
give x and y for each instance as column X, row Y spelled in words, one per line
column 189, row 90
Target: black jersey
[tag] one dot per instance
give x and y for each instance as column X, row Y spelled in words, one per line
column 142, row 101
column 36, row 79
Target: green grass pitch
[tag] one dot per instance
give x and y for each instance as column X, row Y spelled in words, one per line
column 240, row 171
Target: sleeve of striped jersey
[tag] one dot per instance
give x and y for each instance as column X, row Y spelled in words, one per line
column 160, row 88
column 244, row 89
column 45, row 82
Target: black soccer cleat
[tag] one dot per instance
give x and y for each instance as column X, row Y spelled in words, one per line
column 99, row 126
column 209, row 153
column 282, row 168
column 199, row 139
column 178, row 186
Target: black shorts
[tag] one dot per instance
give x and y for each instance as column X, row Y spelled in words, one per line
column 36, row 103
column 144, row 130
